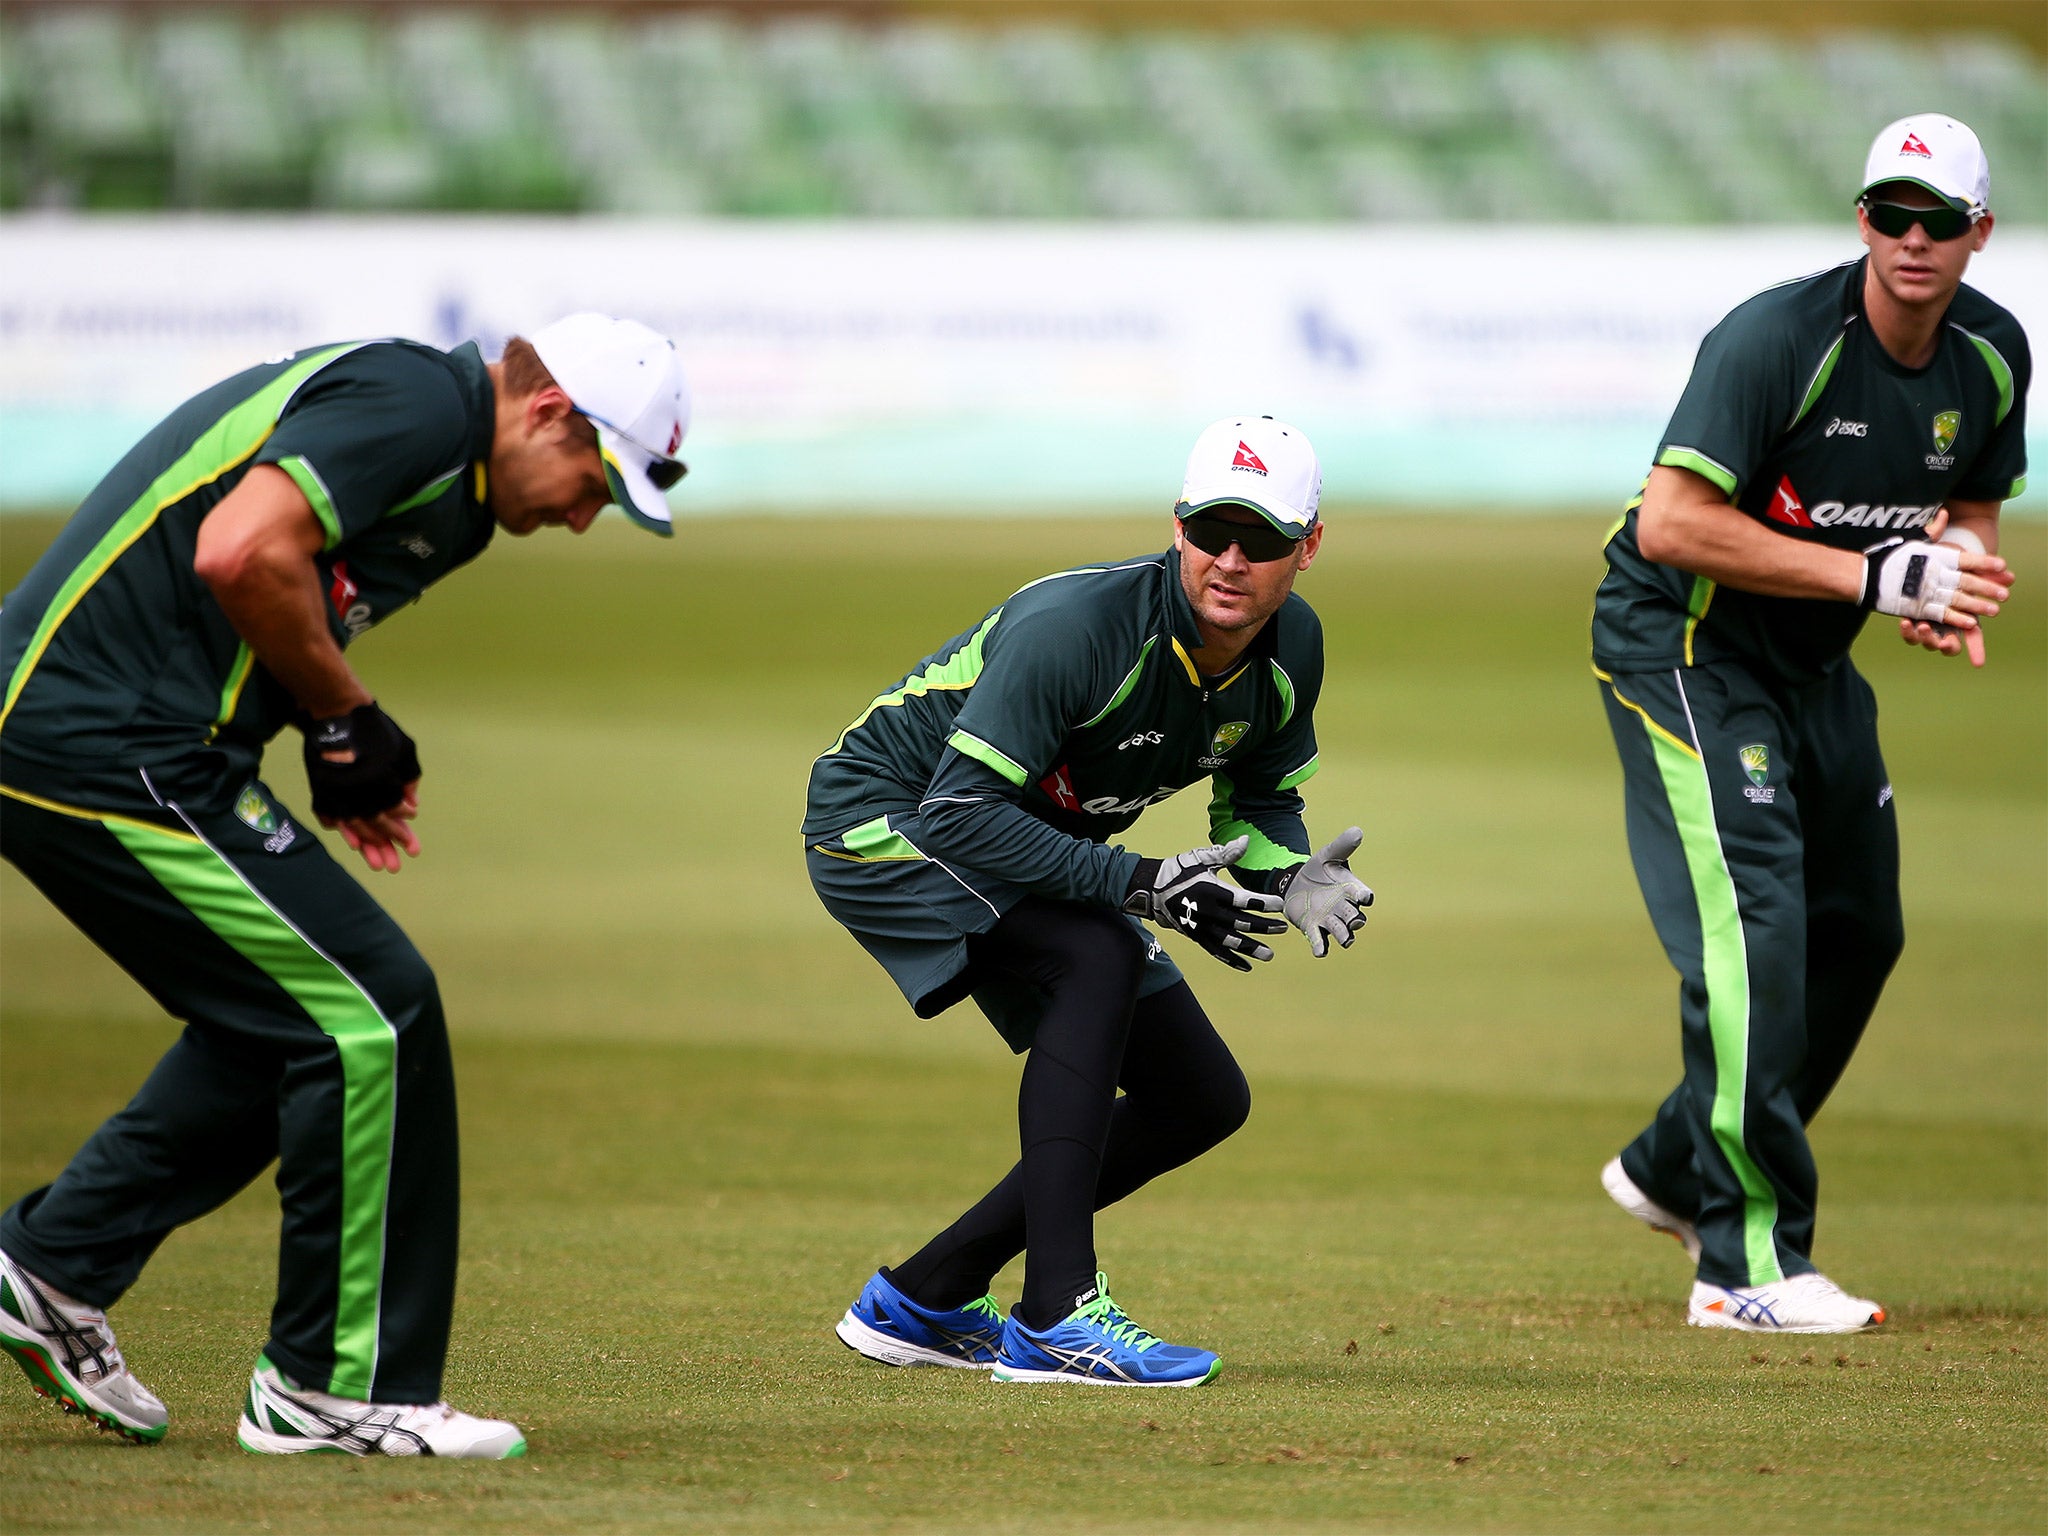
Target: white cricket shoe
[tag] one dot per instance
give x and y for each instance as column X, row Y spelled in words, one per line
column 68, row 1353
column 1802, row 1304
column 281, row 1418
column 1622, row 1190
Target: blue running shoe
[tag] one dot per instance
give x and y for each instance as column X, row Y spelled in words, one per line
column 1099, row 1344
column 886, row 1325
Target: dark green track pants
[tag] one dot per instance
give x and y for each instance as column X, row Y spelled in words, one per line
column 313, row 1036
column 1761, row 824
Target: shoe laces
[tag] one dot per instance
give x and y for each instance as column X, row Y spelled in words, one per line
column 987, row 1308
column 1113, row 1320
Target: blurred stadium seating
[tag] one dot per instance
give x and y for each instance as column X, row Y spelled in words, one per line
column 582, row 109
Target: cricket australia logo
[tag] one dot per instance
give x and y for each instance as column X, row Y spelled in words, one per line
column 1226, row 737
column 1946, row 425
column 252, row 808
column 1756, row 762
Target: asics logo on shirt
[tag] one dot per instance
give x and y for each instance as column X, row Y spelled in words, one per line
column 1841, row 428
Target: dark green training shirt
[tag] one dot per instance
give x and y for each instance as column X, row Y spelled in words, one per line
column 1027, row 742
column 115, row 652
column 1796, row 411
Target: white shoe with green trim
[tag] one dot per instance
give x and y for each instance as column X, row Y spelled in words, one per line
column 281, row 1418
column 68, row 1353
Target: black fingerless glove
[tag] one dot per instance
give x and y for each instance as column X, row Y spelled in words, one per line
column 385, row 762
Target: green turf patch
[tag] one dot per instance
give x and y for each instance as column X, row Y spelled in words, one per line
column 696, row 1116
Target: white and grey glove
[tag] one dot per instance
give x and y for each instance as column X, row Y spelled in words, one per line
column 1912, row 578
column 1324, row 899
column 1185, row 894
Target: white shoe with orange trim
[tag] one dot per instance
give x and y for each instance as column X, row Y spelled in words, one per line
column 1803, row 1304
column 1624, row 1192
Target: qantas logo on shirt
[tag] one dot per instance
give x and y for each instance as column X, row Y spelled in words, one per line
column 343, row 592
column 1913, row 146
column 1786, row 506
column 1059, row 788
column 1246, row 459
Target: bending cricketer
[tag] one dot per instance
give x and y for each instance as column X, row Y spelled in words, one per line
column 199, row 600
column 960, row 829
column 1832, row 427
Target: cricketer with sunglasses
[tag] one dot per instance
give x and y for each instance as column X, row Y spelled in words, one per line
column 960, row 828
column 1833, row 427
column 198, row 601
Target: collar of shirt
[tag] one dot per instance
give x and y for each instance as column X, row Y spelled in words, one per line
column 468, row 364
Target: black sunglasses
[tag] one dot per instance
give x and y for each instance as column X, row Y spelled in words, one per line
column 1260, row 541
column 1892, row 220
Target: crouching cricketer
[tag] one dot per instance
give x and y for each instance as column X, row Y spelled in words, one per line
column 198, row 601
column 960, row 829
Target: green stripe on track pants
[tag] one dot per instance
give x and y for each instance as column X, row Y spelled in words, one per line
column 313, row 1036
column 1761, row 824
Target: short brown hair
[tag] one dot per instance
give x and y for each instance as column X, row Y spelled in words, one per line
column 525, row 374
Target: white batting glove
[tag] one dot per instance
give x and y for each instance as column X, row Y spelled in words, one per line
column 1324, row 899
column 1912, row 578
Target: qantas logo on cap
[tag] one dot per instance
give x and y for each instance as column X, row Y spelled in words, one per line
column 1913, row 146
column 675, row 441
column 1246, row 459
column 1786, row 507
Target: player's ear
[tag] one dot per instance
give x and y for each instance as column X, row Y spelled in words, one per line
column 1309, row 546
column 547, row 410
column 1982, row 232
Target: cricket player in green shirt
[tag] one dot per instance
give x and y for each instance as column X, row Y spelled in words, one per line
column 960, row 829
column 1833, row 427
column 199, row 601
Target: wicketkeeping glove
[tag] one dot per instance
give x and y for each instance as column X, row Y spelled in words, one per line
column 1324, row 899
column 1184, row 894
column 1911, row 578
column 385, row 762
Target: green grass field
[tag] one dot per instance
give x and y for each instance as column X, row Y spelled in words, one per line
column 696, row 1115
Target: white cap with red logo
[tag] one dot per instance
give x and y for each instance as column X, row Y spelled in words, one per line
column 629, row 382
column 1257, row 462
column 1934, row 152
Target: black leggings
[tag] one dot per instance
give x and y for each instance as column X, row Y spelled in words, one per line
column 1083, row 1146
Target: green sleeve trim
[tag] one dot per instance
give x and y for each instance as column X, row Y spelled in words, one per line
column 1225, row 824
column 1302, row 774
column 1818, row 385
column 308, row 480
column 1285, row 686
column 1123, row 690
column 2019, row 484
column 973, row 746
column 2001, row 372
column 431, row 491
column 1701, row 465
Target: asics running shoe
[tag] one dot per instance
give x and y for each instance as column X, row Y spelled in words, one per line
column 1099, row 1344
column 68, row 1353
column 1802, row 1304
column 281, row 1418
column 886, row 1325
column 1624, row 1192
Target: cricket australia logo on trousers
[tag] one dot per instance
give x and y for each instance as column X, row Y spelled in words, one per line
column 1756, row 762
column 252, row 808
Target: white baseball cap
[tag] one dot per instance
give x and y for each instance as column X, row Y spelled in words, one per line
column 1934, row 152
column 1256, row 462
column 629, row 382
